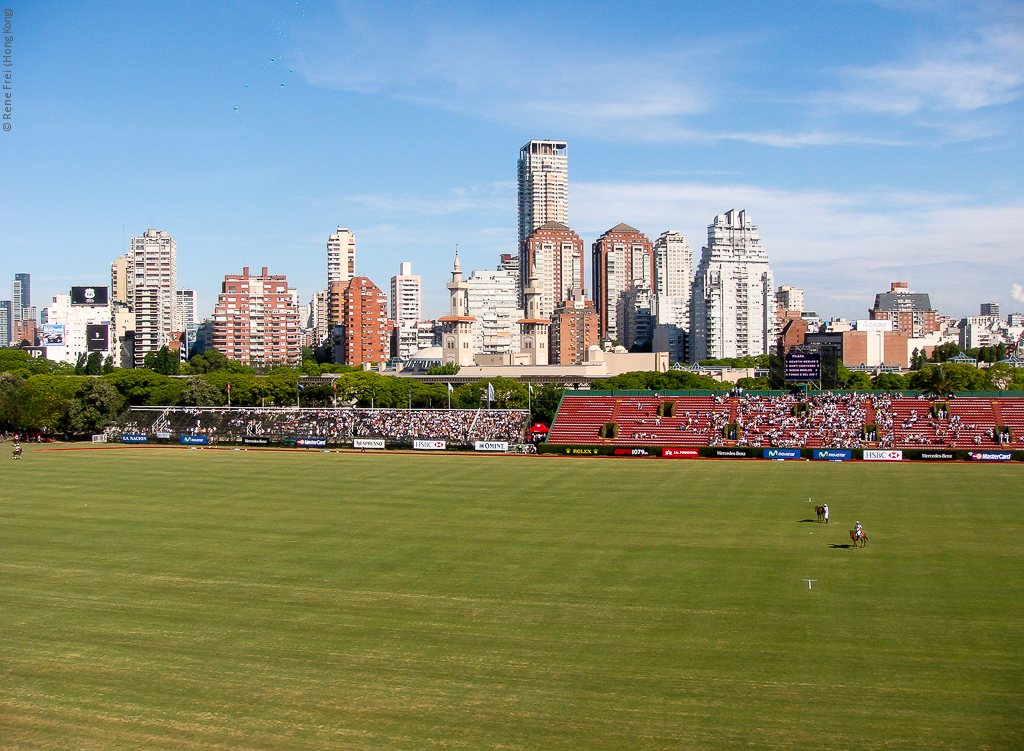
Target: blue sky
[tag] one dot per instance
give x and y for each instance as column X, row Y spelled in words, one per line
column 870, row 141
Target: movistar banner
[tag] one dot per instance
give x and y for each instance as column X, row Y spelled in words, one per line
column 782, row 453
column 199, row 440
column 833, row 455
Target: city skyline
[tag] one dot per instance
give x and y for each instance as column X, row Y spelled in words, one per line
column 887, row 150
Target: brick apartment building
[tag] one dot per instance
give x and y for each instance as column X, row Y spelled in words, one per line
column 362, row 330
column 256, row 319
column 910, row 312
column 574, row 329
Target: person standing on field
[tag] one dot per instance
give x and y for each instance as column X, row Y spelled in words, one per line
column 826, row 513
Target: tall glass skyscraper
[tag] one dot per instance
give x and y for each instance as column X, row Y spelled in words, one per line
column 543, row 185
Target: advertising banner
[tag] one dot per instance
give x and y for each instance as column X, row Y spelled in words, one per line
column 501, row 446
column 874, row 455
column 782, row 453
column 321, row 442
column 134, row 438
column 631, row 452
column 803, row 366
column 368, row 443
column 89, row 296
column 579, row 451
column 254, row 441
column 833, row 455
column 732, row 453
column 990, row 456
column 96, row 337
column 942, row 456
column 680, row 453
column 429, row 445
column 52, row 335
column 194, row 440
column 163, row 435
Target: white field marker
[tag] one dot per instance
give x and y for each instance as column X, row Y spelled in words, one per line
column 809, row 582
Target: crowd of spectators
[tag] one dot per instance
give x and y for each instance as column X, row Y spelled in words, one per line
column 456, row 426
column 827, row 419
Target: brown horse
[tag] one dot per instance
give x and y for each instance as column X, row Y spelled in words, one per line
column 858, row 542
column 820, row 511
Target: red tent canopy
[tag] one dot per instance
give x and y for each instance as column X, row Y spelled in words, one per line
column 539, row 427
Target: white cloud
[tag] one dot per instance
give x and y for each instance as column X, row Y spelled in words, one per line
column 1017, row 292
column 970, row 75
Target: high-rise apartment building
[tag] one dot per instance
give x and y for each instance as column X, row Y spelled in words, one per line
column 733, row 303
column 320, row 315
column 5, row 323
column 990, row 309
column 543, row 172
column 492, row 301
column 256, row 320
column 790, row 298
column 574, row 329
column 364, row 333
column 121, row 278
column 152, row 265
column 553, row 254
column 185, row 314
column 673, row 279
column 406, row 311
column 636, row 317
column 21, row 297
column 341, row 256
column 910, row 312
column 623, row 257
column 406, row 301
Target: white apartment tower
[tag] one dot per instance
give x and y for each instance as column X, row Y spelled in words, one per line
column 492, row 300
column 673, row 279
column 543, row 185
column 152, row 265
column 789, row 298
column 341, row 256
column 406, row 302
column 185, row 314
column 733, row 301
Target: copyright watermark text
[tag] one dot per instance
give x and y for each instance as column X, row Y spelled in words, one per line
column 8, row 67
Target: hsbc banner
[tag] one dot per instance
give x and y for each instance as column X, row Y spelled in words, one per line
column 782, row 454
column 194, row 440
column 316, row 442
column 990, row 456
column 134, row 439
column 874, row 455
column 368, row 443
column 680, row 453
column 429, row 445
column 631, row 452
column 833, row 455
column 501, row 446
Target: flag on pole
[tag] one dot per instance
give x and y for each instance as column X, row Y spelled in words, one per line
column 450, row 389
column 335, row 387
column 530, row 387
column 229, row 388
column 490, row 392
column 301, row 386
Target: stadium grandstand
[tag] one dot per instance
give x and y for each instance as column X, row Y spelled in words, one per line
column 840, row 420
column 457, row 427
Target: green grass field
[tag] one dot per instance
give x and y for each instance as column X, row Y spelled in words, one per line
column 186, row 599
